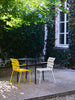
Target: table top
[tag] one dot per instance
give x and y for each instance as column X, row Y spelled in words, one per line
column 41, row 62
column 31, row 59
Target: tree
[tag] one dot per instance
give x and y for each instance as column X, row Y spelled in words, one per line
column 15, row 13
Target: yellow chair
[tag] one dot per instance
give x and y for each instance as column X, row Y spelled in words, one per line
column 16, row 67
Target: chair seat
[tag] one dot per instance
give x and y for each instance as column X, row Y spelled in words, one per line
column 21, row 70
column 44, row 69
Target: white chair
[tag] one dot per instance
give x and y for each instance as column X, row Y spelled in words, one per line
column 50, row 63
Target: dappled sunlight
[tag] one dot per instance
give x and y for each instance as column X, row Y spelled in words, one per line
column 5, row 86
column 22, row 93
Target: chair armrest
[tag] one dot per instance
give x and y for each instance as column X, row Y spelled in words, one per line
column 23, row 65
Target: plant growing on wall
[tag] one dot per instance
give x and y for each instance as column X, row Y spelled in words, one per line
column 62, row 55
column 72, row 32
column 26, row 41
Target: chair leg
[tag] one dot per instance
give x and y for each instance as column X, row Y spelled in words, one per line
column 11, row 76
column 53, row 77
column 19, row 79
column 29, row 77
column 40, row 77
column 24, row 76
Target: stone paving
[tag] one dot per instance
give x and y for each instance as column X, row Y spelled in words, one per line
column 65, row 81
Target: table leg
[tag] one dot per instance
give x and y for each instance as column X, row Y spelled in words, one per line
column 17, row 76
column 42, row 73
column 26, row 73
column 35, row 72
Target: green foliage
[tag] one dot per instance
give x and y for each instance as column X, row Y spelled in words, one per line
column 26, row 41
column 62, row 56
column 18, row 12
column 72, row 33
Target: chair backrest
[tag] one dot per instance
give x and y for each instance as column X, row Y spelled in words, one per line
column 50, row 62
column 15, row 63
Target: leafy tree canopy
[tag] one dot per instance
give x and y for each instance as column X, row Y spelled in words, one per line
column 17, row 12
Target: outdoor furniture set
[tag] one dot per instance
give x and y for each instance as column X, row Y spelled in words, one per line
column 16, row 67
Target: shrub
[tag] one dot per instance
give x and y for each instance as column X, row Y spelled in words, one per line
column 25, row 41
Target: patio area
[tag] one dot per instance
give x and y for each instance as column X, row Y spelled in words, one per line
column 65, row 84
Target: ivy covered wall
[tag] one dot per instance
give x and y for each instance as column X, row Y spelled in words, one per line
column 25, row 41
column 28, row 41
column 72, row 31
column 61, row 55
column 65, row 57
